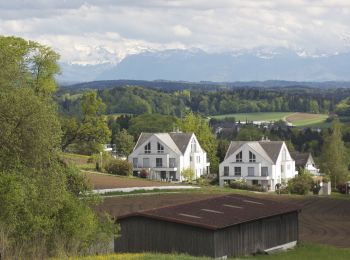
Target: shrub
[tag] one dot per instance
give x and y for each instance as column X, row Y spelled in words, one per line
column 301, row 184
column 188, row 174
column 343, row 188
column 119, row 167
column 143, row 173
column 245, row 186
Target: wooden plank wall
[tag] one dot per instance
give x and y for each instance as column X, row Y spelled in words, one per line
column 249, row 238
column 139, row 234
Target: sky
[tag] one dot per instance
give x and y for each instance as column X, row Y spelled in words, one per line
column 102, row 31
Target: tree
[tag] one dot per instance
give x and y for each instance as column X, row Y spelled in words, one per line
column 333, row 156
column 249, row 133
column 124, row 143
column 200, row 127
column 89, row 133
column 29, row 64
column 44, row 209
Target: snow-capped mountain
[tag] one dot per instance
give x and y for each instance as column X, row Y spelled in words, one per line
column 198, row 65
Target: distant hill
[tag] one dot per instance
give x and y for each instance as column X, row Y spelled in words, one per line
column 197, row 65
column 180, row 85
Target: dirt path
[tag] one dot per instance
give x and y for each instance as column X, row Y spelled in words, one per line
column 323, row 220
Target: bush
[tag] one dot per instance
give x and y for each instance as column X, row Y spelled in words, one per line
column 188, row 174
column 119, row 167
column 301, row 184
column 245, row 186
column 343, row 188
column 143, row 173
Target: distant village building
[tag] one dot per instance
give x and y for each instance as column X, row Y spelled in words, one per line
column 165, row 155
column 266, row 163
column 220, row 227
column 305, row 161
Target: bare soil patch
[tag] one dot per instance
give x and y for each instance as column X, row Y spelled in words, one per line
column 302, row 117
column 322, row 220
column 100, row 181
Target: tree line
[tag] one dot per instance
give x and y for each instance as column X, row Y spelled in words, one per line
column 140, row 100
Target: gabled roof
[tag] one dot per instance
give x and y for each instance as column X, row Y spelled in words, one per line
column 176, row 141
column 271, row 149
column 218, row 212
column 300, row 158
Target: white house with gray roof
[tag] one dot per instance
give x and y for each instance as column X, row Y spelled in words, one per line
column 264, row 163
column 165, row 155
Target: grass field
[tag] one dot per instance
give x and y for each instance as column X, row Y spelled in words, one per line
column 296, row 119
column 81, row 161
column 301, row 252
column 261, row 116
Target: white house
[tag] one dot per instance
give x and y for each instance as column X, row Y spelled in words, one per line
column 166, row 155
column 305, row 161
column 265, row 163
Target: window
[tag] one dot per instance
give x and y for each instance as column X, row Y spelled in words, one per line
column 288, row 167
column 284, row 155
column 146, row 162
column 172, row 162
column 251, row 171
column 160, row 148
column 239, row 157
column 238, row 171
column 282, row 168
column 193, row 146
column 252, row 157
column 159, row 162
column 198, row 159
column 148, row 148
column 264, row 171
column 134, row 162
column 226, row 170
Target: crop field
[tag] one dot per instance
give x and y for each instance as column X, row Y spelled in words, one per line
column 261, row 116
column 296, row 119
column 306, row 119
column 105, row 181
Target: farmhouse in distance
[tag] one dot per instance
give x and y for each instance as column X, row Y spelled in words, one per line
column 165, row 155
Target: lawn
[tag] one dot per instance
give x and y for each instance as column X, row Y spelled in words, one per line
column 81, row 161
column 303, row 251
column 261, row 116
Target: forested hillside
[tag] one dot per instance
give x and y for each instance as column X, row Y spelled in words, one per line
column 140, row 100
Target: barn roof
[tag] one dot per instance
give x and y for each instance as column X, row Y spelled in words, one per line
column 218, row 212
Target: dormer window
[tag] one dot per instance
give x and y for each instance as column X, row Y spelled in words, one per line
column 252, row 157
column 160, row 148
column 193, row 146
column 239, row 157
column 148, row 148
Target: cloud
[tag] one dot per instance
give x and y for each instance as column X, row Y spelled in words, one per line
column 95, row 31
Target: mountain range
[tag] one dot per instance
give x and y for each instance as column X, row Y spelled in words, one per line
column 195, row 65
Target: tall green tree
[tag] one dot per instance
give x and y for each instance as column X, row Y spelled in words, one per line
column 333, row 156
column 124, row 143
column 44, row 204
column 28, row 63
column 89, row 133
column 200, row 127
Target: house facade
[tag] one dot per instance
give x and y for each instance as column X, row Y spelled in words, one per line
column 165, row 155
column 266, row 163
column 305, row 161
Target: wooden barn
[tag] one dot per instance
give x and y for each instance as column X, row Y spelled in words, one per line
column 231, row 225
